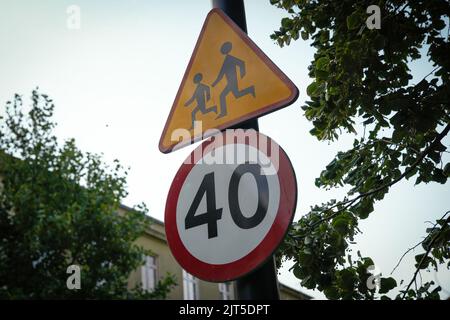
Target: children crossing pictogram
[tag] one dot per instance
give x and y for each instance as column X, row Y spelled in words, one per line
column 228, row 80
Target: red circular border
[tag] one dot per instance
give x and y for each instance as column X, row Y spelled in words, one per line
column 238, row 268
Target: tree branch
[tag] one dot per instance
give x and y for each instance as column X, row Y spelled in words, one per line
column 436, row 140
column 432, row 71
column 424, row 153
column 427, row 252
column 418, row 244
column 403, row 255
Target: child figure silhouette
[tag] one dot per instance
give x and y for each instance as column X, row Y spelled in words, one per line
column 201, row 95
column 229, row 71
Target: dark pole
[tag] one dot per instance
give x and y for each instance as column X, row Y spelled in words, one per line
column 262, row 283
column 236, row 11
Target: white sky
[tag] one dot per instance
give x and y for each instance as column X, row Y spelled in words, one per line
column 114, row 82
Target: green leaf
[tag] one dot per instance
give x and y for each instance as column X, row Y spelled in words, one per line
column 379, row 42
column 324, row 36
column 426, row 261
column 280, row 42
column 314, row 89
column 347, row 278
column 363, row 208
column 331, row 293
column 398, row 135
column 387, row 284
column 286, row 23
column 311, row 89
column 341, row 225
column 307, row 282
column 298, row 272
column 447, row 169
column 353, row 21
column 439, row 176
column 435, row 156
column 304, row 35
column 322, row 63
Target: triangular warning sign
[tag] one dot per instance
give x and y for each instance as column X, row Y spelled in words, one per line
column 228, row 80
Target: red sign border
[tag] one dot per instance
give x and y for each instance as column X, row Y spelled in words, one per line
column 257, row 113
column 265, row 249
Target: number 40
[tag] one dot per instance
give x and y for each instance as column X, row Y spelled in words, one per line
column 213, row 214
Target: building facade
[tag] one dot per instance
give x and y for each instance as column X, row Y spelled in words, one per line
column 188, row 287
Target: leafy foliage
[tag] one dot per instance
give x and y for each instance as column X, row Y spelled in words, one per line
column 362, row 75
column 59, row 207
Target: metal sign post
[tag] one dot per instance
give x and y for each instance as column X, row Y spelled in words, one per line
column 262, row 283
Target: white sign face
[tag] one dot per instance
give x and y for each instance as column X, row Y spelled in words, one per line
column 225, row 219
column 231, row 242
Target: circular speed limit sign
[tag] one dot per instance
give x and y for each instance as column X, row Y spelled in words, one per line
column 230, row 205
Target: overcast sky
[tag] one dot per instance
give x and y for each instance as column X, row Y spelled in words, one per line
column 114, row 81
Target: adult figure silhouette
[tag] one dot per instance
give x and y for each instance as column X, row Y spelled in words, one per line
column 201, row 95
column 229, row 71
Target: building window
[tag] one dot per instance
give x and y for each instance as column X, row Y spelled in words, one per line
column 149, row 276
column 190, row 286
column 225, row 290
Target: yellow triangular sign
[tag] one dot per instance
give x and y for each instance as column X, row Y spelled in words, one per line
column 228, row 80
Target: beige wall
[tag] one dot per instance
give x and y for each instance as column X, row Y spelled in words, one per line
column 165, row 263
column 154, row 240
